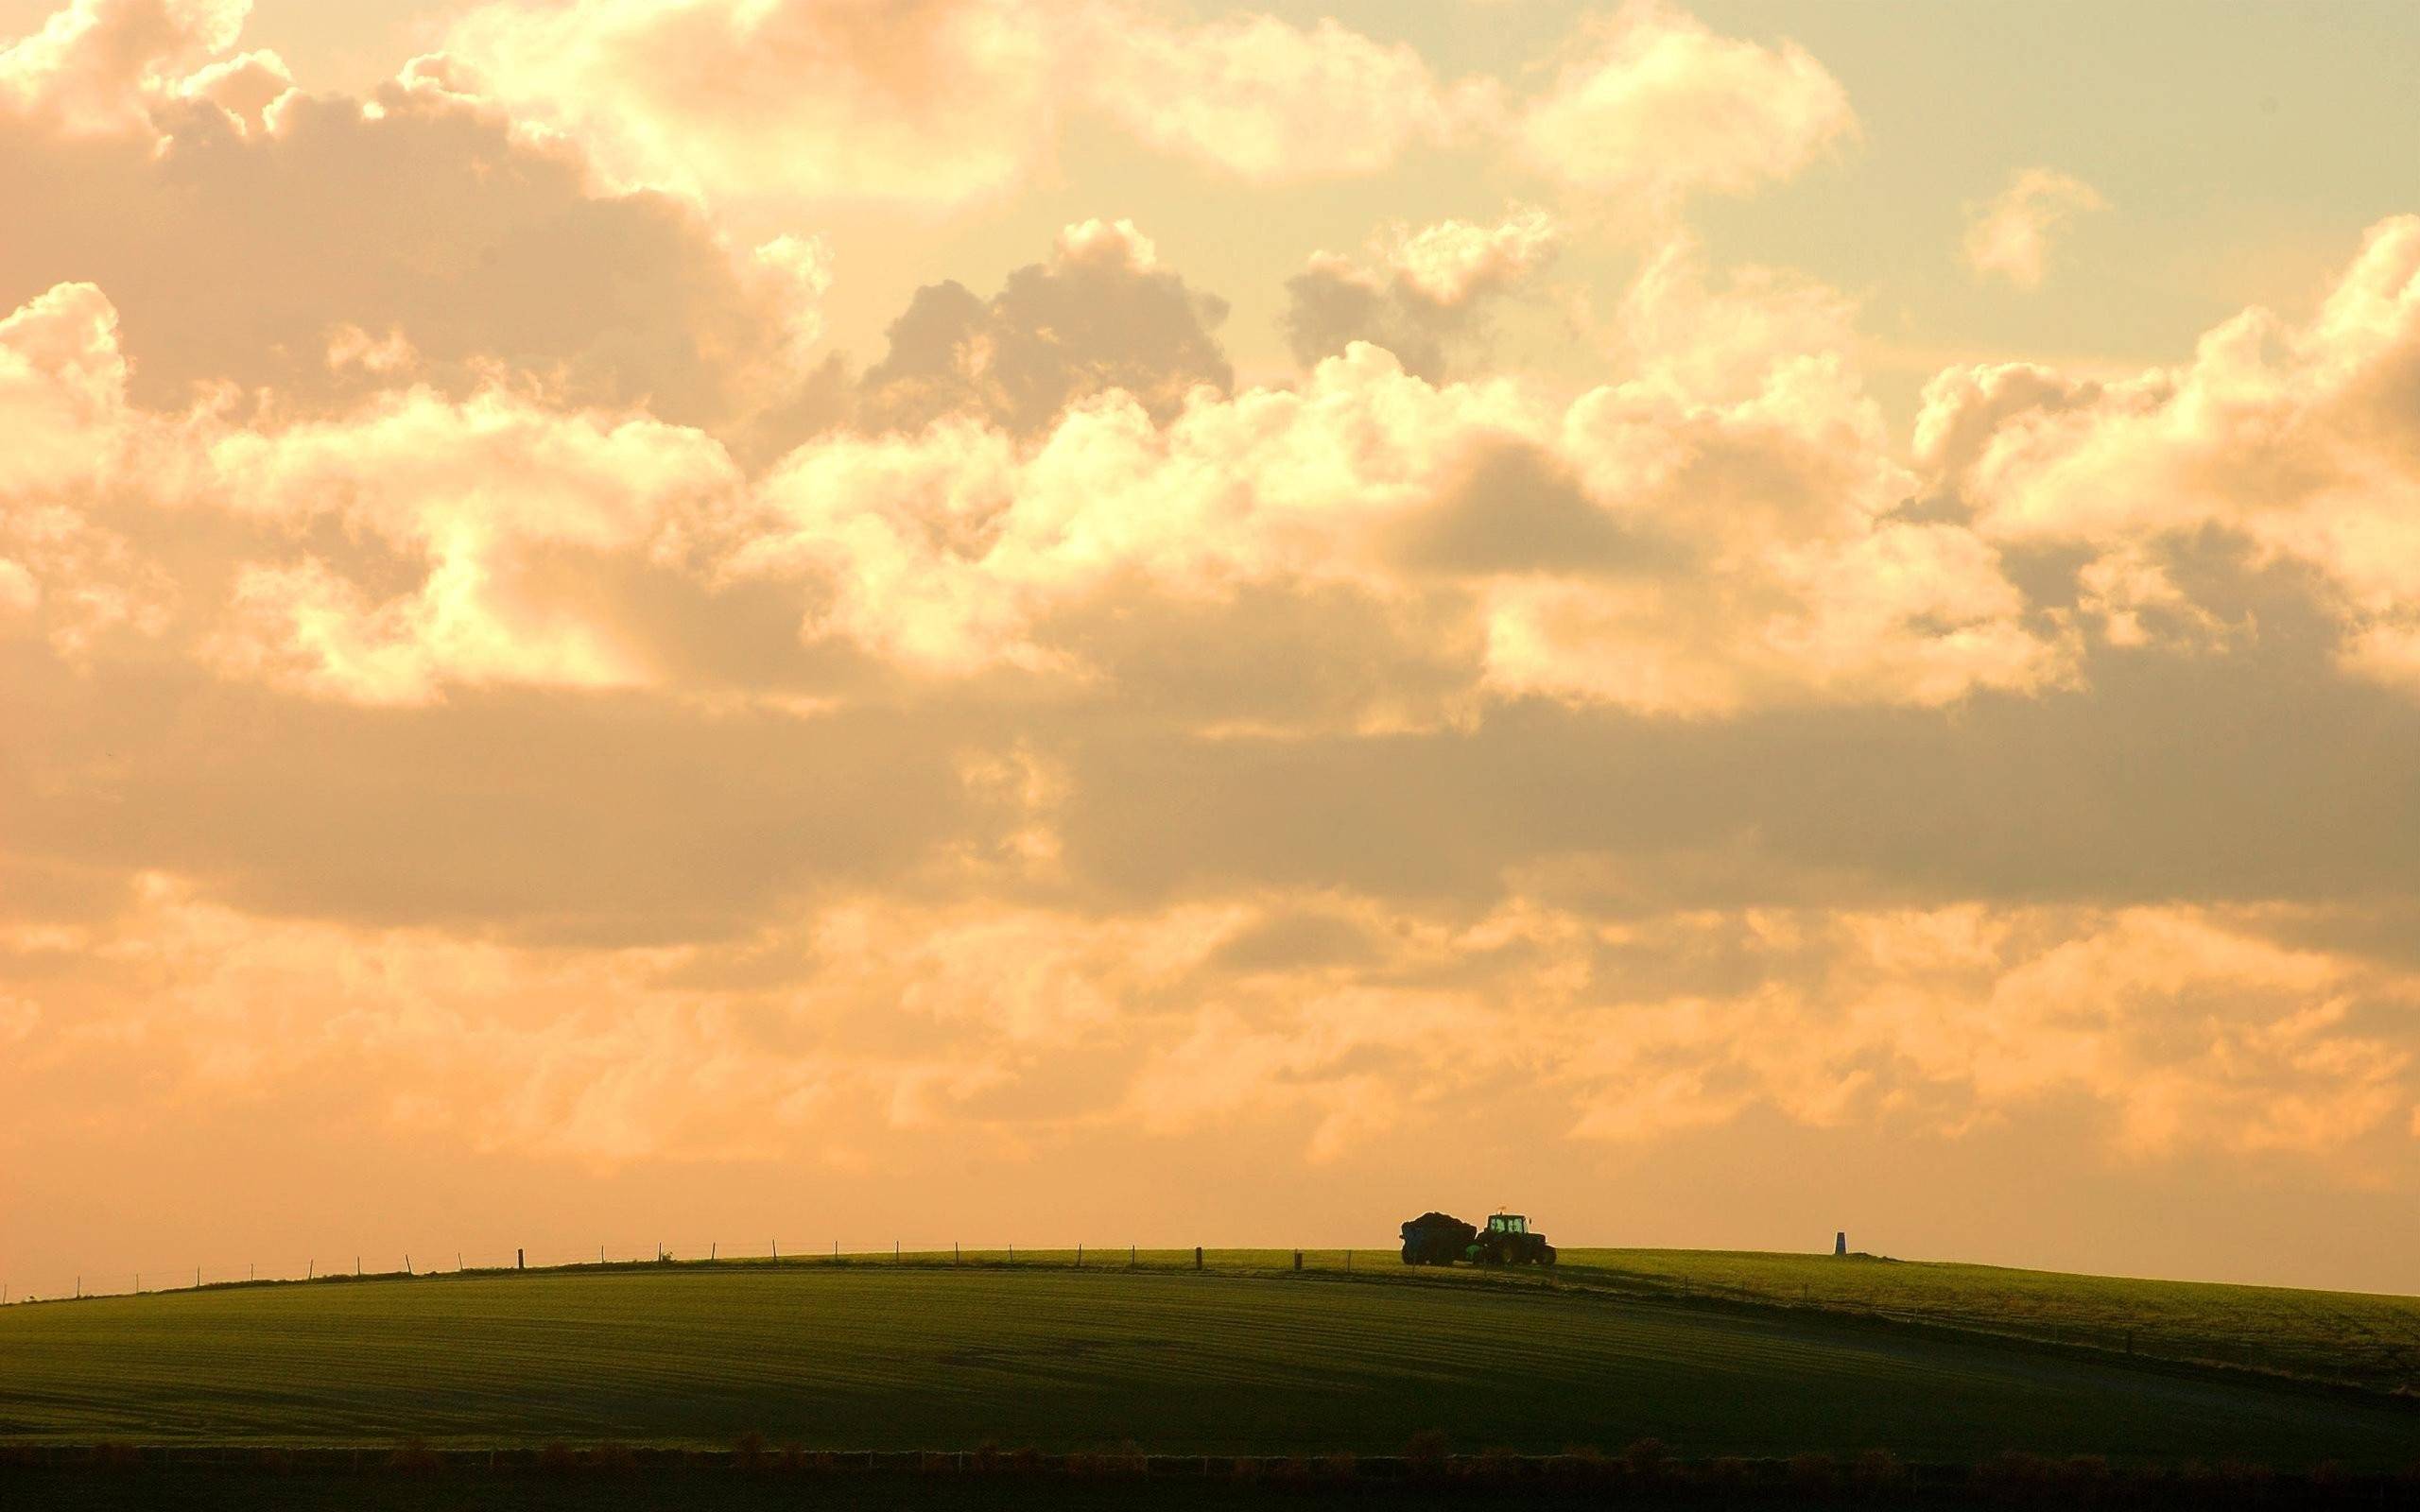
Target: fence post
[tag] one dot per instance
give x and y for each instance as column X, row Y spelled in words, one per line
column 1298, row 1260
column 953, row 1251
column 1080, row 1257
column 521, row 1260
column 894, row 1251
column 1196, row 1257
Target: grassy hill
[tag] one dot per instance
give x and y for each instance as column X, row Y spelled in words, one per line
column 2350, row 1337
column 1248, row 1356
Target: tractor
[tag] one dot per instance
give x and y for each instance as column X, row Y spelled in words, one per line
column 1441, row 1239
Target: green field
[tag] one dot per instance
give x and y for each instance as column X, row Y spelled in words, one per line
column 2351, row 1337
column 1233, row 1360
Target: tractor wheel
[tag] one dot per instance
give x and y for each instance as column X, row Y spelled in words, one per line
column 1546, row 1254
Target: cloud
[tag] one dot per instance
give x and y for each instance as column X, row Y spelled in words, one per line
column 1058, row 479
column 1008, row 1030
column 239, row 240
column 97, row 67
column 312, row 530
column 2011, row 237
column 2294, row 440
column 939, row 101
column 249, row 87
column 936, row 99
column 1704, row 344
column 1267, row 101
column 760, row 108
column 955, row 552
column 1101, row 317
column 511, row 510
column 1911, row 614
column 1958, row 1016
column 1453, row 261
column 1422, row 295
column 1653, row 103
column 19, row 593
column 1717, row 546
column 62, row 389
column 1519, row 509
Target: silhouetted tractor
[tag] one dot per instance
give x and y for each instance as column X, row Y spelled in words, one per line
column 1441, row 1239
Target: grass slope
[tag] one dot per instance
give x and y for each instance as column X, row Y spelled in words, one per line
column 2352, row 1337
column 914, row 1356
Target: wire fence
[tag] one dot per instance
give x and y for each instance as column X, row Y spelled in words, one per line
column 408, row 1264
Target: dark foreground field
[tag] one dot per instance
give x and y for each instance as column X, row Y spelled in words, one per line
column 872, row 1357
column 191, row 1491
column 722, row 1490
column 564, row 1371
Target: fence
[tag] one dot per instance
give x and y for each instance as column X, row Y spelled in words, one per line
column 625, row 1255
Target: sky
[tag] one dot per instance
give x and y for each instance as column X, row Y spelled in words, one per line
column 684, row 622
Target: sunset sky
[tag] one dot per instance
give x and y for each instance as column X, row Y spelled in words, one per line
column 633, row 621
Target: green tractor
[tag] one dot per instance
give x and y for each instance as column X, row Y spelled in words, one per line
column 1441, row 1239
column 1506, row 1241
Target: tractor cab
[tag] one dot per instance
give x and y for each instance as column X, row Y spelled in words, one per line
column 1508, row 1223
